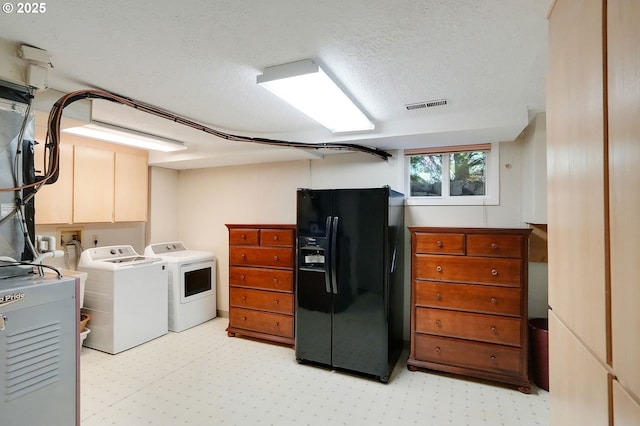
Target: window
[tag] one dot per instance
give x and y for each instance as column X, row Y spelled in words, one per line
column 457, row 175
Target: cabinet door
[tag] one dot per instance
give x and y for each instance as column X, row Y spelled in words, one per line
column 93, row 173
column 131, row 187
column 54, row 202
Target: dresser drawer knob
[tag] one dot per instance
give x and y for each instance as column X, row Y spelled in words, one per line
column 438, row 350
column 438, row 323
column 275, row 258
column 275, row 238
column 244, row 237
column 494, row 246
column 439, row 268
column 243, row 318
column 275, row 302
column 438, row 296
column 494, row 330
column 494, row 300
column 493, row 358
column 439, row 243
column 244, row 256
column 244, row 298
column 275, row 281
column 277, row 324
column 242, row 277
column 494, row 272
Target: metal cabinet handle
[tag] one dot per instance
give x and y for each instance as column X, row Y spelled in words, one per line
column 494, row 272
column 439, row 268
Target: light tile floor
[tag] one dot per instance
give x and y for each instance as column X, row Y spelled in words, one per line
column 202, row 377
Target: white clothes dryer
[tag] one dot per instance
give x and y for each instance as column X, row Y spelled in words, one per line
column 192, row 284
column 126, row 297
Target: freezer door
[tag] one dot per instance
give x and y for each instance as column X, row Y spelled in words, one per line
column 361, row 262
column 313, row 294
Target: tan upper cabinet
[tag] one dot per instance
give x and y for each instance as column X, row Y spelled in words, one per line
column 93, row 189
column 131, row 186
column 98, row 183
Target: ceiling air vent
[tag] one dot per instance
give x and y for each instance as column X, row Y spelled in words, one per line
column 428, row 104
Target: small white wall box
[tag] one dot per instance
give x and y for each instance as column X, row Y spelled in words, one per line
column 34, row 54
column 37, row 77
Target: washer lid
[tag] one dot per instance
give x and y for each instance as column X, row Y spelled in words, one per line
column 117, row 256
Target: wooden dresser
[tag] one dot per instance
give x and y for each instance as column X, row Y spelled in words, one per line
column 469, row 302
column 261, row 270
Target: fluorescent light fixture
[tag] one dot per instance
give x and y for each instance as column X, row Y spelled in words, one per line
column 122, row 136
column 308, row 88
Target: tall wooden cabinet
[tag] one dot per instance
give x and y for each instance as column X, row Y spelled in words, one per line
column 261, row 281
column 469, row 302
column 593, row 153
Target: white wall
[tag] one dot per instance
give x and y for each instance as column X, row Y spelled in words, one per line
column 163, row 208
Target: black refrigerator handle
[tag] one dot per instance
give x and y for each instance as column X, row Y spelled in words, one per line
column 334, row 243
column 327, row 276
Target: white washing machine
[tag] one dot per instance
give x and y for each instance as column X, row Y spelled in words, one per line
column 192, row 284
column 126, row 297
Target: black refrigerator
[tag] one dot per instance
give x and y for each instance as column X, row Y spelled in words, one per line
column 349, row 279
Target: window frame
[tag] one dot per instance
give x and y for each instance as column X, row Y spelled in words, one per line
column 492, row 182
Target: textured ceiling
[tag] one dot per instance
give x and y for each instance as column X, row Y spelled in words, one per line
column 200, row 58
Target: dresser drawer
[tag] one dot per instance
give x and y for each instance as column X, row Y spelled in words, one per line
column 497, row 271
column 265, row 322
column 243, row 236
column 268, row 279
column 261, row 256
column 494, row 245
column 276, row 237
column 465, row 325
column 439, row 243
column 460, row 353
column 468, row 297
column 263, row 300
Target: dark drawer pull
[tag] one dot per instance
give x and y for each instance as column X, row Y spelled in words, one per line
column 494, row 300
column 494, row 272
column 494, row 330
column 439, row 268
column 494, row 246
column 438, row 296
column 438, row 350
column 439, row 243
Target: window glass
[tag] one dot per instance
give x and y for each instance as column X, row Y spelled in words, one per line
column 426, row 175
column 467, row 173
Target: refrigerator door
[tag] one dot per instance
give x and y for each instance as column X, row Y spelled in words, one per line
column 313, row 285
column 360, row 265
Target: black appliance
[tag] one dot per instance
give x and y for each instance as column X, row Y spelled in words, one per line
column 349, row 279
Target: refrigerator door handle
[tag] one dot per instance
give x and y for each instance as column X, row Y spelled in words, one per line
column 327, row 276
column 334, row 243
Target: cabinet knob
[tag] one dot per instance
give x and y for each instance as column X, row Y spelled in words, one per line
column 244, row 256
column 494, row 330
column 275, row 281
column 493, row 358
column 275, row 302
column 244, row 298
column 438, row 296
column 438, row 323
column 242, row 277
column 439, row 243
column 494, row 246
column 244, row 237
column 275, row 258
column 243, row 318
column 494, row 272
column 439, row 268
column 494, row 300
column 275, row 238
column 438, row 350
column 277, row 324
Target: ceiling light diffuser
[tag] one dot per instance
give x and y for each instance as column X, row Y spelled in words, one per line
column 122, row 136
column 304, row 85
